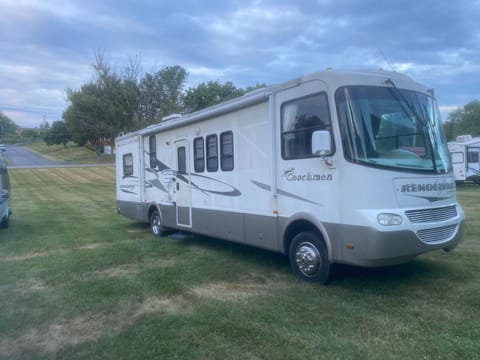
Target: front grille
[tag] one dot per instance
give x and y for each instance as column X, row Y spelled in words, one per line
column 439, row 234
column 432, row 215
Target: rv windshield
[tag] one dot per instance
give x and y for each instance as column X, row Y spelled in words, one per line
column 390, row 127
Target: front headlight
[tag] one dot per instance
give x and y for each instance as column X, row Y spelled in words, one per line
column 386, row 219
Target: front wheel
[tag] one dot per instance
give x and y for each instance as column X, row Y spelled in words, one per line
column 156, row 223
column 309, row 258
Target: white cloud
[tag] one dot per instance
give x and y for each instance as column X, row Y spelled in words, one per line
column 205, row 74
column 448, row 108
column 21, row 118
column 20, row 71
column 247, row 22
column 66, row 9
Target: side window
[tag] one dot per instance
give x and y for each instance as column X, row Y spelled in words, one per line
column 152, row 142
column 127, row 164
column 182, row 160
column 472, row 156
column 212, row 153
column 226, row 151
column 198, row 155
column 300, row 118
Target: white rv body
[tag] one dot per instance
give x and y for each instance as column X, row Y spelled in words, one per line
column 260, row 184
column 465, row 153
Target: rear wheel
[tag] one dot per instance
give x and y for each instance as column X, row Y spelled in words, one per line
column 156, row 223
column 309, row 258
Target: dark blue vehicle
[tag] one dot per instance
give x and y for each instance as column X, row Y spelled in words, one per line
column 5, row 206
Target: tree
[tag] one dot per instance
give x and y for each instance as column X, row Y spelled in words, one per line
column 210, row 93
column 44, row 125
column 173, row 79
column 104, row 108
column 464, row 120
column 449, row 130
column 161, row 93
column 115, row 103
column 7, row 126
column 257, row 86
column 30, row 133
column 58, row 134
column 149, row 99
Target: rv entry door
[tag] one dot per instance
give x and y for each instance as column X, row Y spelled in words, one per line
column 182, row 183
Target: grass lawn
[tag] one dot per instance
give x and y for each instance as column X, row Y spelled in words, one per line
column 72, row 153
column 79, row 281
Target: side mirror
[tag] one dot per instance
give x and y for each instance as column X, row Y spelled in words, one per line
column 321, row 143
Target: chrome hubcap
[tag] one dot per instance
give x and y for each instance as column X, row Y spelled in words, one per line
column 307, row 258
column 156, row 225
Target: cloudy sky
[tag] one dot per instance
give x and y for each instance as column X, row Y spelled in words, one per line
column 47, row 46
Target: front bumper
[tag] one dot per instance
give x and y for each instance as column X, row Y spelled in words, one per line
column 367, row 246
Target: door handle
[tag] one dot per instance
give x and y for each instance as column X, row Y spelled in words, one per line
column 178, row 186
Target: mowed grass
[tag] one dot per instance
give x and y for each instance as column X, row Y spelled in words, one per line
column 79, row 281
column 72, row 153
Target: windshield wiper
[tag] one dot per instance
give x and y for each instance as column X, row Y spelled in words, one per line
column 410, row 165
column 426, row 124
column 404, row 102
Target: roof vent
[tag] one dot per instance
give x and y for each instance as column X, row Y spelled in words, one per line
column 464, row 138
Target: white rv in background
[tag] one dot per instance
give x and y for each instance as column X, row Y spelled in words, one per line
column 465, row 153
column 334, row 167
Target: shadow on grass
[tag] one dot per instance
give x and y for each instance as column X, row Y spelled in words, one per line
column 137, row 227
column 419, row 270
column 239, row 252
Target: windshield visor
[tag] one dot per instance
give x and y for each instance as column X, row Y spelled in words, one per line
column 390, row 127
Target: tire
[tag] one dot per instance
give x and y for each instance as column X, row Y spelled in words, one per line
column 156, row 224
column 309, row 258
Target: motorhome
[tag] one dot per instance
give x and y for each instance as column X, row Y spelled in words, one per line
column 465, row 153
column 5, row 207
column 333, row 167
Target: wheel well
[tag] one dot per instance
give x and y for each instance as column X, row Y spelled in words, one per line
column 151, row 209
column 295, row 228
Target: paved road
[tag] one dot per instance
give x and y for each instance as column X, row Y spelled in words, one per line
column 22, row 157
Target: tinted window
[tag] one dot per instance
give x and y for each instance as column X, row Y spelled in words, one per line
column 226, row 151
column 127, row 164
column 182, row 160
column 198, row 155
column 472, row 156
column 300, row 118
column 212, row 153
column 153, row 151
